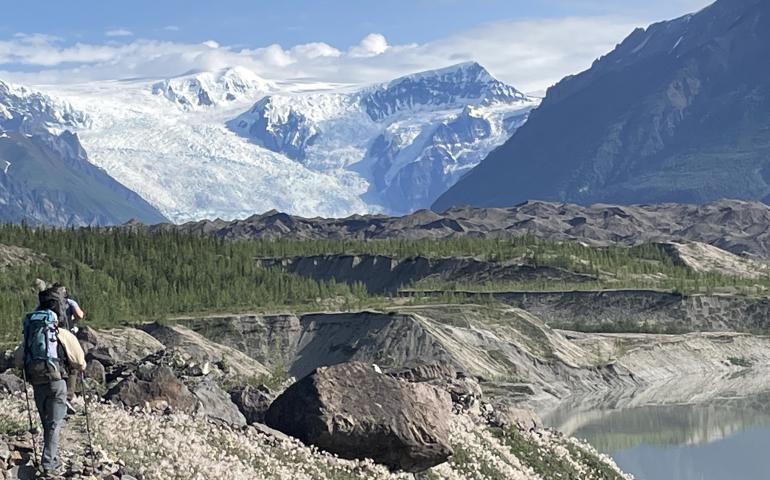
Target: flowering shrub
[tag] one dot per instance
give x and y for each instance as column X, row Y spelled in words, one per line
column 181, row 446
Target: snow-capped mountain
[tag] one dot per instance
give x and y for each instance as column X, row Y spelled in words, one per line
column 206, row 89
column 28, row 111
column 229, row 143
column 410, row 139
column 456, row 86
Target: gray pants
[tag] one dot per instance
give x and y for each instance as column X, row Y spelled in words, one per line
column 51, row 402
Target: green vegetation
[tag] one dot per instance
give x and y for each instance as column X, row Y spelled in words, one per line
column 129, row 276
column 740, row 362
column 132, row 275
column 542, row 458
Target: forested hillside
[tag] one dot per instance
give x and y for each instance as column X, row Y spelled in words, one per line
column 123, row 275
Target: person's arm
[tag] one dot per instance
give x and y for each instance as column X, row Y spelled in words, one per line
column 77, row 312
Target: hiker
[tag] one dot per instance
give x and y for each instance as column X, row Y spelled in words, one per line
column 58, row 292
column 47, row 356
column 57, row 300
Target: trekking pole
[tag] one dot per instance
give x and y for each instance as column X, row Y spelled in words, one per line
column 88, row 420
column 32, row 429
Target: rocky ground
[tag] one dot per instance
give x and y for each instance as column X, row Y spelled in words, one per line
column 418, row 392
column 168, row 403
column 732, row 225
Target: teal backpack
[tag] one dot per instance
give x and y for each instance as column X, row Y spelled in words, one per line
column 41, row 347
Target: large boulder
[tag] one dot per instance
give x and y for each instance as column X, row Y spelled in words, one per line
column 118, row 346
column 352, row 411
column 253, row 401
column 154, row 386
column 215, row 403
column 10, row 383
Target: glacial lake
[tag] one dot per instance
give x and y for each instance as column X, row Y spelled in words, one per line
column 722, row 439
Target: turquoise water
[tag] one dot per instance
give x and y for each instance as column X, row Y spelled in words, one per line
column 726, row 439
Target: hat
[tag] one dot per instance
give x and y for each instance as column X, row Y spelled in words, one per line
column 39, row 285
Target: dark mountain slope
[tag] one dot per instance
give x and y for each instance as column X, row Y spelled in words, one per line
column 677, row 112
column 47, row 179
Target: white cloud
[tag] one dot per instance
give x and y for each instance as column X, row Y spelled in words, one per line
column 529, row 54
column 119, row 32
column 171, row 28
column 370, row 46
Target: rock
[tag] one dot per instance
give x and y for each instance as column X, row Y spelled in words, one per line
column 215, row 403
column 104, row 355
column 10, row 383
column 195, row 355
column 95, row 371
column 505, row 416
column 87, row 335
column 465, row 392
column 253, row 402
column 23, row 472
column 354, row 412
column 120, row 346
column 426, row 372
column 6, row 360
column 5, row 452
column 271, row 432
column 151, row 387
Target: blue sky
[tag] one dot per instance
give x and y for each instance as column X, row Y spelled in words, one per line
column 331, row 40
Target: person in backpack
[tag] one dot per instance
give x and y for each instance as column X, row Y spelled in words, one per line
column 54, row 298
column 46, row 356
column 58, row 295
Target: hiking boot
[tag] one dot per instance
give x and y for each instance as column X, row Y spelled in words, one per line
column 70, row 409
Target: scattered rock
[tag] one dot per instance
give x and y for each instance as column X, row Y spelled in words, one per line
column 158, row 384
column 253, row 402
column 505, row 416
column 215, row 403
column 354, row 412
column 426, row 372
column 11, row 383
column 195, row 355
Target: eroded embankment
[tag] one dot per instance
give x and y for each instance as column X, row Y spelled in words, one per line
column 512, row 352
column 385, row 274
column 629, row 310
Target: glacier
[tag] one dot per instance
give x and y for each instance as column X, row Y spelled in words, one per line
column 228, row 144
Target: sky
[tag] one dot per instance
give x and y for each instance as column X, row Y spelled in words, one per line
column 529, row 44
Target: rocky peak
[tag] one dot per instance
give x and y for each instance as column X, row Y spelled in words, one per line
column 458, row 85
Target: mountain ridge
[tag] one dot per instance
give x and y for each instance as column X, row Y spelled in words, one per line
column 676, row 113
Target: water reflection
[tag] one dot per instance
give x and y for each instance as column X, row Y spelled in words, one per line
column 721, row 439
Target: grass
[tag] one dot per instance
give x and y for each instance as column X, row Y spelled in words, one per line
column 740, row 362
column 543, row 459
